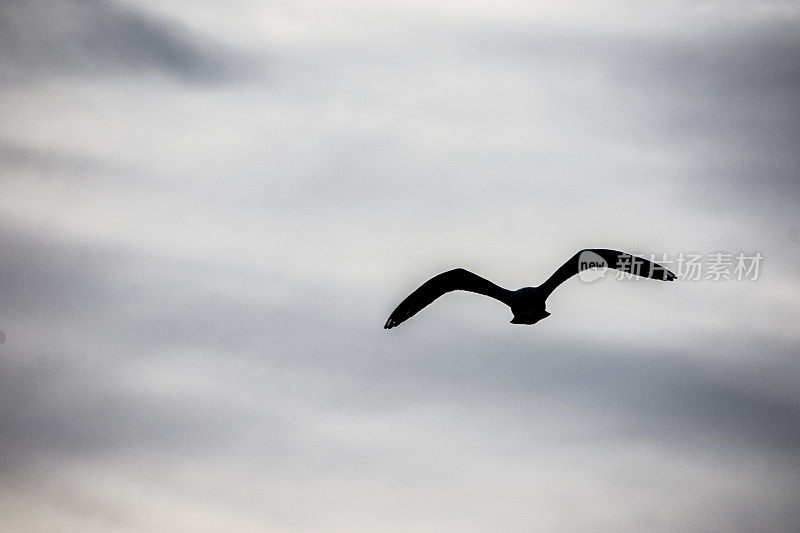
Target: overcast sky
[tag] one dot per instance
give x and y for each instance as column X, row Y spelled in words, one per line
column 208, row 210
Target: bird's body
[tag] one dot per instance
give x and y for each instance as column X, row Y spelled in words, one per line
column 528, row 303
column 528, row 307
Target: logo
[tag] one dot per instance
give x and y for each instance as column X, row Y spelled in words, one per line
column 591, row 267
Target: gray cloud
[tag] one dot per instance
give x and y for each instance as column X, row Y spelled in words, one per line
column 99, row 38
column 173, row 333
column 727, row 99
column 193, row 278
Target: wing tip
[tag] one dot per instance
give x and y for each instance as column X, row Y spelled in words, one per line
column 390, row 323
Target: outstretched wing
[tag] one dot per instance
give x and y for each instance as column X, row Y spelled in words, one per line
column 452, row 280
column 612, row 259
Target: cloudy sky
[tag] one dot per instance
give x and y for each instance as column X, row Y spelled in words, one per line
column 208, row 210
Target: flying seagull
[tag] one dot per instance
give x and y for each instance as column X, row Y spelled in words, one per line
column 527, row 303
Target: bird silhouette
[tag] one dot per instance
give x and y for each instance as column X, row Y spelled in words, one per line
column 528, row 303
